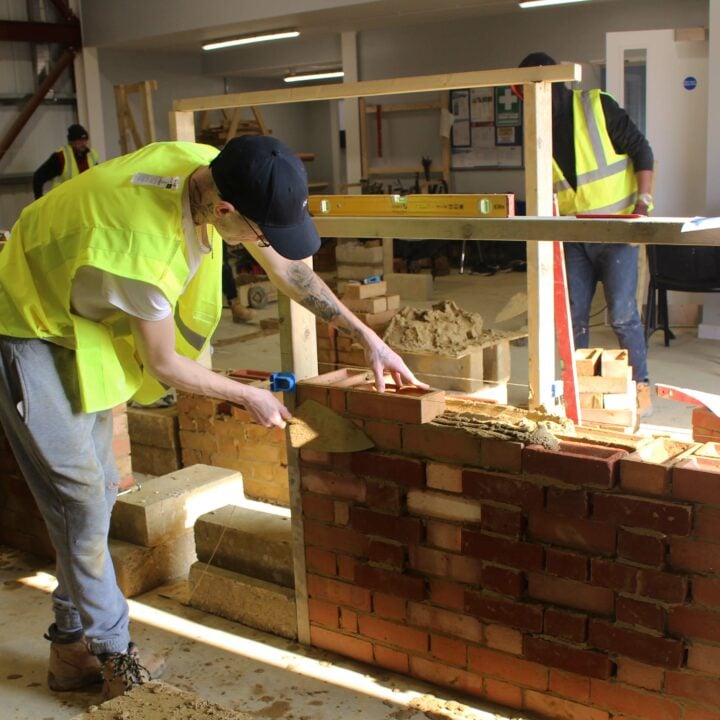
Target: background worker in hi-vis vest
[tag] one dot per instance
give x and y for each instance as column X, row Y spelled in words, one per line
column 67, row 161
column 602, row 164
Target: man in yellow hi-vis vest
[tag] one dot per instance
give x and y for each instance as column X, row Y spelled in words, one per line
column 110, row 290
column 67, row 161
column 602, row 164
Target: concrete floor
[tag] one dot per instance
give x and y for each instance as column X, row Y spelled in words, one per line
column 261, row 674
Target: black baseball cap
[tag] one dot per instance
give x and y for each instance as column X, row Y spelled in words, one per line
column 77, row 132
column 267, row 183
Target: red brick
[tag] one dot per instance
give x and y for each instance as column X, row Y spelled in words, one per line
column 502, row 580
column 346, row 567
column 554, row 707
column 390, row 659
column 695, row 622
column 384, row 496
column 392, row 633
column 641, row 547
column 703, row 418
column 574, row 463
column 619, row 698
column 697, row 713
column 304, row 392
column 445, row 621
column 502, row 520
column 640, row 675
column 503, row 455
column 670, row 518
column 336, row 538
column 502, row 488
column 349, row 620
column 707, row 524
column 323, row 613
column 444, row 477
column 341, row 512
column 322, row 561
column 385, row 553
column 700, row 688
column 649, row 649
column 634, row 612
column 396, row 468
column 446, row 565
column 514, row 670
column 448, row 594
column 445, row 444
column 566, row 657
column 318, row 507
column 400, row 529
column 696, row 479
column 339, row 593
column 705, row 658
column 329, row 483
column 576, row 533
column 502, row 693
column 663, row 586
column 342, row 644
column 694, row 555
column 522, row 555
column 644, row 478
column 313, row 457
column 706, row 591
column 438, row 673
column 613, row 575
column 566, row 564
column 444, row 535
column 449, row 650
column 395, row 406
column 405, row 586
column 570, row 686
column 564, row 501
column 385, row 435
column 565, row 625
column 389, row 606
column 505, row 639
column 506, row 612
column 571, row 593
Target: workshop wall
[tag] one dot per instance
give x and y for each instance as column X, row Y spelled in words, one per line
column 582, row 583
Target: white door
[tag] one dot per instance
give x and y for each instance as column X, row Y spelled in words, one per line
column 676, row 112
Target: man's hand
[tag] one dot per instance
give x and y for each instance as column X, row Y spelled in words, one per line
column 640, row 209
column 382, row 359
column 264, row 407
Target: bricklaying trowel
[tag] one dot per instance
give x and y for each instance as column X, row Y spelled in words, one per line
column 316, row 427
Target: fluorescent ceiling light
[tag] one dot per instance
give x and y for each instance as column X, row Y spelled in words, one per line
column 314, row 76
column 248, row 39
column 543, row 3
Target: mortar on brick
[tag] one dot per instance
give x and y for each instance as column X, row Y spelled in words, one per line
column 647, row 470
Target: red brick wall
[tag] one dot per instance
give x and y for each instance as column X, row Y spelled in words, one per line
column 529, row 578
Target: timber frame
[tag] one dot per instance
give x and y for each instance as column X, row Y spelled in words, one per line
column 298, row 345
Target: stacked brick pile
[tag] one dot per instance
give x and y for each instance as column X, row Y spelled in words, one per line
column 154, row 438
column 608, row 394
column 373, row 306
column 356, row 260
column 580, row 583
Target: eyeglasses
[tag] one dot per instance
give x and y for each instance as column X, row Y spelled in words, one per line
column 262, row 240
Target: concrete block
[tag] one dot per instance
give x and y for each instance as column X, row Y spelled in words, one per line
column 410, row 286
column 157, row 699
column 246, row 600
column 140, row 569
column 353, row 252
column 247, row 541
column 168, row 506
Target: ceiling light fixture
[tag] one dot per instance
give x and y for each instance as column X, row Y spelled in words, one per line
column 543, row 3
column 249, row 39
column 314, row 76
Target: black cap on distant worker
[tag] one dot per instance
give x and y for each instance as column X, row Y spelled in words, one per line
column 77, row 132
column 267, row 183
column 537, row 58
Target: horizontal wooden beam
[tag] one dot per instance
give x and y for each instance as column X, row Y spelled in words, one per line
column 394, row 86
column 645, row 231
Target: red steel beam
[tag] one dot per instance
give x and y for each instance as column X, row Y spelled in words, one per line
column 63, row 62
column 40, row 32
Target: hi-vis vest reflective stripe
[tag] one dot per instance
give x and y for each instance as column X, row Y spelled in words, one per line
column 105, row 220
column 70, row 166
column 605, row 180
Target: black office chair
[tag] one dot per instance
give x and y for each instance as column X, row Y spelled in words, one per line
column 686, row 268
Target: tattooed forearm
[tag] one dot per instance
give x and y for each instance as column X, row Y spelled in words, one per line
column 312, row 293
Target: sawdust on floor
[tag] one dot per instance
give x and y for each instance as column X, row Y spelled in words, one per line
column 445, row 329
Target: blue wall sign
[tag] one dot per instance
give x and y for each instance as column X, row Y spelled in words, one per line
column 690, row 82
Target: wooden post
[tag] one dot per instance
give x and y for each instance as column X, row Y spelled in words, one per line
column 182, row 126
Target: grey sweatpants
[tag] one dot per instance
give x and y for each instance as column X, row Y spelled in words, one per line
column 67, row 460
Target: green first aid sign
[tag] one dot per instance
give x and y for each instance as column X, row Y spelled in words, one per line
column 507, row 107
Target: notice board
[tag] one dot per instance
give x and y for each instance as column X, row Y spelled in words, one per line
column 487, row 128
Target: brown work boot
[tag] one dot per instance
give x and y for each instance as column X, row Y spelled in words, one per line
column 240, row 313
column 72, row 666
column 121, row 672
column 644, row 400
